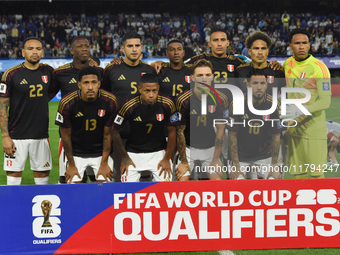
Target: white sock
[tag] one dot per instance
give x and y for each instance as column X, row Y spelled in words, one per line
column 11, row 180
column 41, row 181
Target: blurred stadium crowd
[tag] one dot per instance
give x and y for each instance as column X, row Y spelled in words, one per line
column 105, row 32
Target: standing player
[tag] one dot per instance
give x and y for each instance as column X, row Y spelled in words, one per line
column 66, row 80
column 146, row 146
column 249, row 146
column 24, row 89
column 85, row 118
column 123, row 79
column 174, row 77
column 258, row 44
column 196, row 137
column 307, row 142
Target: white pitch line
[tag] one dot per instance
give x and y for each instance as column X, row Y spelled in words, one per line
column 226, row 252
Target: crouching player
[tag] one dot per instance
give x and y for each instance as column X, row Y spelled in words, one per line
column 146, row 148
column 85, row 118
column 197, row 141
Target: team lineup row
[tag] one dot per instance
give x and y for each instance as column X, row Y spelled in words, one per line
column 160, row 105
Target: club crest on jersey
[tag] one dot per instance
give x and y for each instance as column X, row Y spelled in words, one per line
column 230, row 68
column 141, row 74
column 266, row 117
column 270, row 79
column 188, row 79
column 160, row 117
column 44, row 78
column 302, row 75
column 101, row 113
column 211, row 108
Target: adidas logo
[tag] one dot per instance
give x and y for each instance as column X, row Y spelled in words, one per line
column 245, row 116
column 47, row 164
column 193, row 112
column 138, row 119
column 73, row 81
column 166, row 79
column 79, row 114
column 121, row 78
column 23, row 82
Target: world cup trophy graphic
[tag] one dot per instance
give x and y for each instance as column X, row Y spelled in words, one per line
column 46, row 207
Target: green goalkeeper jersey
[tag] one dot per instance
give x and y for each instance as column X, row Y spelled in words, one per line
column 313, row 75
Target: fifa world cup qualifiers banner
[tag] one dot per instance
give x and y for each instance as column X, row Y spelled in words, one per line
column 170, row 216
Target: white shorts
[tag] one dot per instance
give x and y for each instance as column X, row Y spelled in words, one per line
column 204, row 156
column 253, row 168
column 62, row 159
column 83, row 163
column 146, row 162
column 39, row 152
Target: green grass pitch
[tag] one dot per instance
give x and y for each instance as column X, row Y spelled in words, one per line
column 332, row 114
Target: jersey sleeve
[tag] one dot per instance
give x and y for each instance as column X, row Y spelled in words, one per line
column 6, row 85
column 63, row 115
column 124, row 113
column 113, row 111
column 323, row 84
column 170, row 110
column 231, row 118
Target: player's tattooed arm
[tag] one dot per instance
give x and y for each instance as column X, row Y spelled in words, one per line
column 104, row 168
column 7, row 143
column 233, row 148
column 71, row 169
column 183, row 167
column 164, row 164
column 181, row 143
column 126, row 160
column 4, row 103
column 275, row 172
column 275, row 147
column 219, row 141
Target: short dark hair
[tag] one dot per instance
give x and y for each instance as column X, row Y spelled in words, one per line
column 174, row 40
column 258, row 35
column 189, row 52
column 76, row 38
column 298, row 31
column 256, row 72
column 217, row 30
column 202, row 63
column 31, row 38
column 131, row 35
column 148, row 78
column 87, row 71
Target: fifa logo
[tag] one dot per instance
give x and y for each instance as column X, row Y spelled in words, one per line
column 44, row 211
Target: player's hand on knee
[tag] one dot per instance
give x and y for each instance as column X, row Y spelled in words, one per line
column 106, row 172
column 126, row 162
column 235, row 172
column 71, row 171
column 8, row 146
column 182, row 168
column 274, row 172
column 165, row 167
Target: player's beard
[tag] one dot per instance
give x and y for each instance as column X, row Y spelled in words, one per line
column 33, row 62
